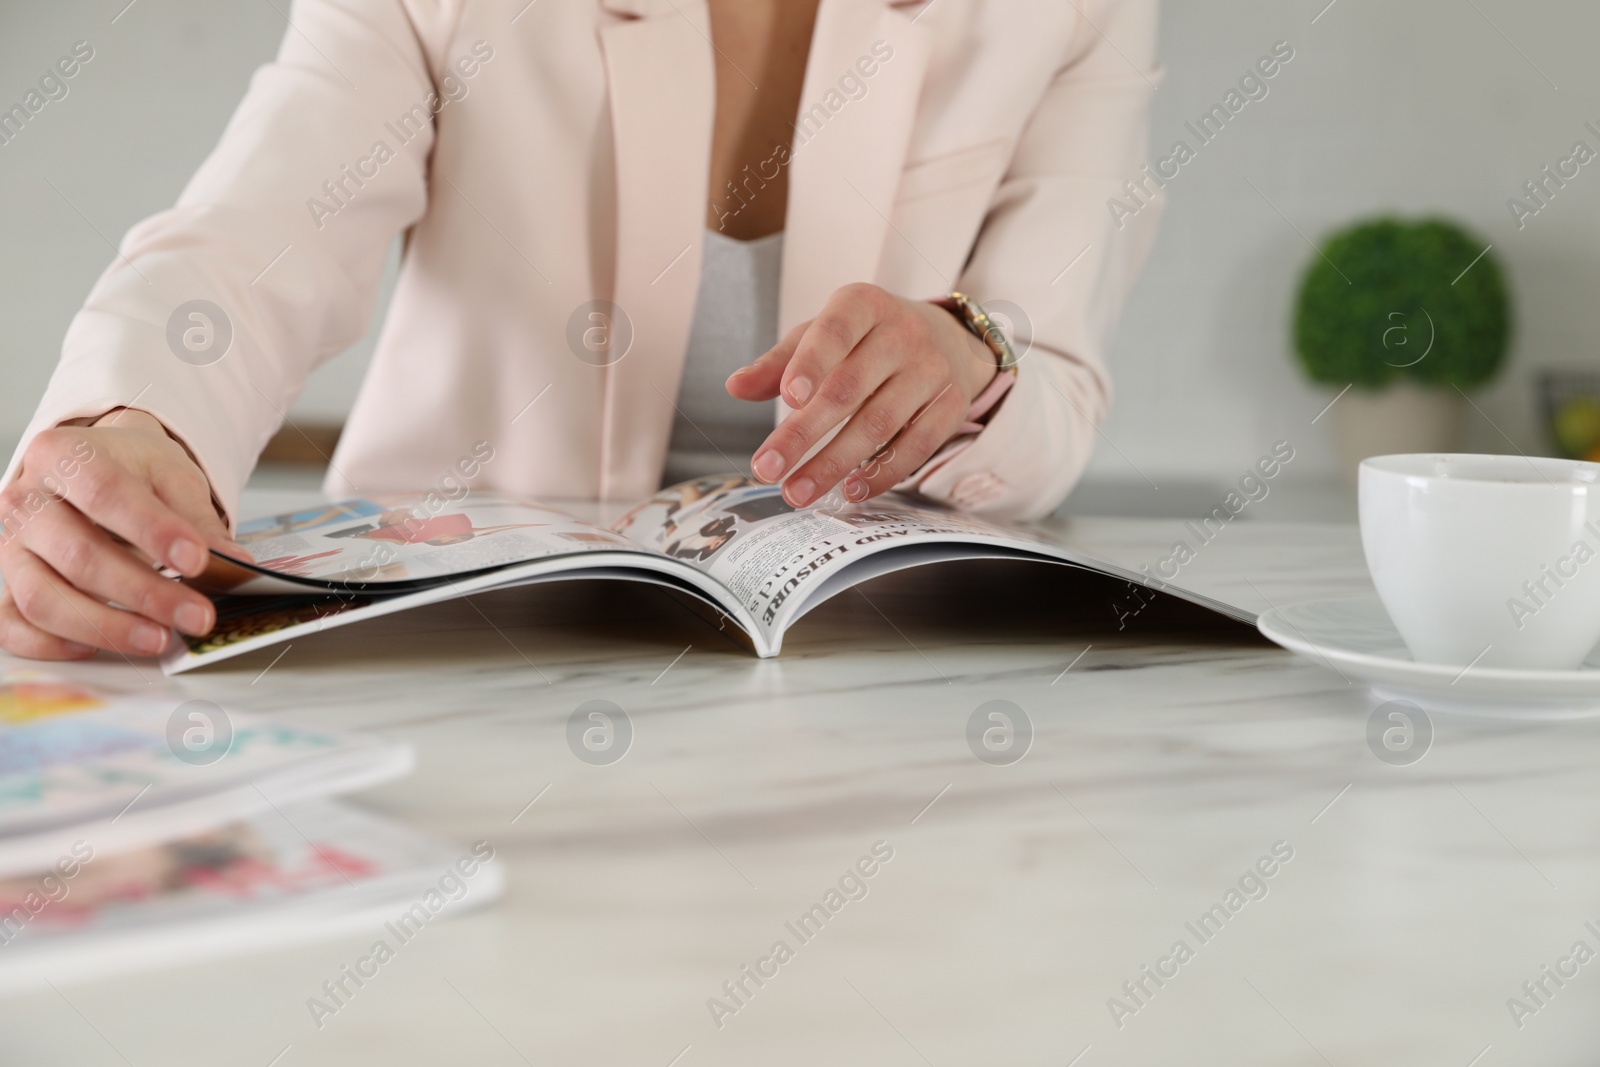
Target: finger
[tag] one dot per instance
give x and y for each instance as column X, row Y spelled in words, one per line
column 934, row 425
column 93, row 563
column 847, row 318
column 844, row 390
column 760, row 380
column 45, row 599
column 872, row 427
column 20, row 637
column 112, row 497
column 185, row 489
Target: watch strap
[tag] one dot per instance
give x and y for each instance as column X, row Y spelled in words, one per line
column 976, row 318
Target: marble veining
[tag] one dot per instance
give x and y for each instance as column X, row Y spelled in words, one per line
column 1019, row 899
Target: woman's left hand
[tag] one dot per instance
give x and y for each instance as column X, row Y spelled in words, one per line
column 892, row 371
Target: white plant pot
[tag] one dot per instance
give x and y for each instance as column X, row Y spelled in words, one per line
column 1399, row 418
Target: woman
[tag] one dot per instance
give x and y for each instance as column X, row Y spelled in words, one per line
column 569, row 294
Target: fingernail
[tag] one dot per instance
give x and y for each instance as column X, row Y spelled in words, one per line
column 855, row 490
column 187, row 557
column 799, row 491
column 149, row 638
column 735, row 374
column 238, row 551
column 75, row 649
column 799, row 391
column 768, row 466
column 192, row 619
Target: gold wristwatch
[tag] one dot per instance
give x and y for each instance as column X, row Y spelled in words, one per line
column 976, row 319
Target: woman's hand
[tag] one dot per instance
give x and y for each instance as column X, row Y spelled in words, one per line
column 90, row 509
column 890, row 370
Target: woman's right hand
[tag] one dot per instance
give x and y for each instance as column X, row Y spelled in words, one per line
column 91, row 512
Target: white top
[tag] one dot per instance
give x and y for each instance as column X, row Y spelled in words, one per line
column 735, row 320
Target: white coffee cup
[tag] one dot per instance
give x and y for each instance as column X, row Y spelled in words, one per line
column 1492, row 561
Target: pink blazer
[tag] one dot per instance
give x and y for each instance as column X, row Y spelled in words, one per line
column 541, row 156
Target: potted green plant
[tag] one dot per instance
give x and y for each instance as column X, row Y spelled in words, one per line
column 1409, row 315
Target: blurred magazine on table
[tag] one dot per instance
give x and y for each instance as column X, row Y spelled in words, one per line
column 308, row 872
column 119, row 771
column 137, row 831
column 730, row 543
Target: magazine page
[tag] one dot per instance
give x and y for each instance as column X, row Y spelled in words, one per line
column 402, row 541
column 305, row 871
column 336, row 564
column 114, row 771
column 769, row 555
column 777, row 563
column 248, row 623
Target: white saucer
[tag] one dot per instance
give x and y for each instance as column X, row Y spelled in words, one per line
column 1355, row 638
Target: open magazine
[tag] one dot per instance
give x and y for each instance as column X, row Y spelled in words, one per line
column 731, row 543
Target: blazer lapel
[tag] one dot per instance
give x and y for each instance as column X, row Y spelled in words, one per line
column 848, row 152
column 660, row 72
column 849, row 149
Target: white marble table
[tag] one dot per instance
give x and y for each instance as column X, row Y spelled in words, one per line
column 1166, row 763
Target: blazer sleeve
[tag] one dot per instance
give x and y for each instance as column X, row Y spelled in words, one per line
column 295, row 282
column 1087, row 137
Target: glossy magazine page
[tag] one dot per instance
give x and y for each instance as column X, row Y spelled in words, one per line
column 771, row 558
column 401, row 542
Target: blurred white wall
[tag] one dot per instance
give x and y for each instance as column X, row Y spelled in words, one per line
column 136, row 122
column 1424, row 106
